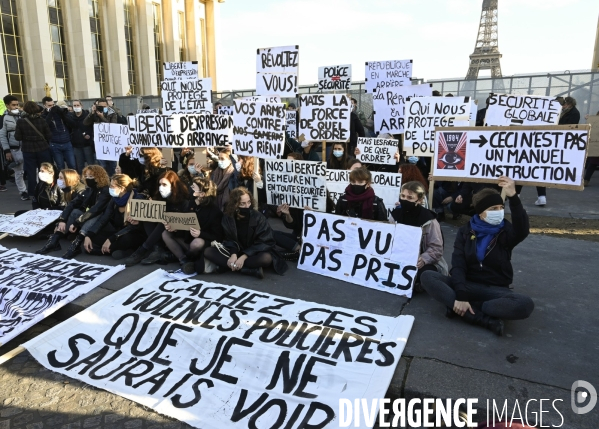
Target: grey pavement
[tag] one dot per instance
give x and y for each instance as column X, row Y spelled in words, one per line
column 538, row 358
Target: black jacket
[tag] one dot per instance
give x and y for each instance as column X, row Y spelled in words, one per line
column 131, row 167
column 572, row 116
column 496, row 268
column 31, row 140
column 113, row 216
column 48, row 197
column 379, row 212
column 210, row 219
column 356, row 130
column 259, row 234
column 78, row 130
column 93, row 202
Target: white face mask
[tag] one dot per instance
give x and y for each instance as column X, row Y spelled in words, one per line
column 77, row 109
column 494, row 217
column 45, row 177
column 141, row 160
column 238, row 166
column 15, row 111
column 224, row 163
column 305, row 144
column 61, row 184
column 165, row 191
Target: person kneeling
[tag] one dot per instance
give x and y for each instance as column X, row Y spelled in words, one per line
column 249, row 245
column 478, row 289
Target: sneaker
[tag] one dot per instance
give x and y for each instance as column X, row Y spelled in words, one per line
column 25, row 196
column 3, row 188
column 209, row 267
column 541, row 201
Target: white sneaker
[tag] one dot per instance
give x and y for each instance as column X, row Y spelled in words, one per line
column 209, row 267
column 541, row 201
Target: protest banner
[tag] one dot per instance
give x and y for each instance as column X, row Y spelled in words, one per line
column 226, row 110
column 377, row 151
column 6, row 221
column 325, row 117
column 258, row 129
column 378, row 255
column 276, row 71
column 182, row 221
column 297, row 183
column 181, row 70
column 506, row 110
column 389, row 106
column 291, row 123
column 139, row 111
column 34, row 286
column 186, row 96
column 146, row 210
column 552, row 156
column 473, row 112
column 30, row 222
column 381, row 75
column 386, row 186
column 273, row 99
column 593, row 121
column 110, row 141
column 423, row 114
column 334, row 78
column 219, row 356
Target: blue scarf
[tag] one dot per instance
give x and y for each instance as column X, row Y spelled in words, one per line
column 485, row 232
column 122, row 201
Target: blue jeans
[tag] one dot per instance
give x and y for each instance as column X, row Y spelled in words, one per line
column 63, row 152
column 83, row 155
column 109, row 166
column 31, row 162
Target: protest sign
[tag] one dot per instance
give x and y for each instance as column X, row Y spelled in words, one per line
column 226, row 110
column 334, row 78
column 258, row 129
column 593, row 121
column 218, row 356
column 34, row 286
column 181, row 71
column 276, row 71
column 325, row 117
column 381, row 75
column 30, row 222
column 506, row 110
column 552, row 156
column 146, row 210
column 297, row 183
column 182, row 221
column 273, row 99
column 377, row 151
column 423, row 114
column 291, row 123
column 186, row 96
column 6, row 221
column 389, row 106
column 147, row 111
column 386, row 186
column 110, row 141
column 378, row 255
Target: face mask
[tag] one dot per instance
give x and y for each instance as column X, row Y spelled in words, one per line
column 238, row 166
column 61, row 184
column 224, row 164
column 358, row 189
column 165, row 191
column 192, row 170
column 77, row 109
column 338, row 153
column 141, row 160
column 305, row 144
column 408, row 205
column 105, row 110
column 15, row 111
column 494, row 217
column 90, row 182
column 45, row 177
column 413, row 159
column 244, row 211
column 113, row 193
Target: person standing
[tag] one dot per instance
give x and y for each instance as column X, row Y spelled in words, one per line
column 60, row 143
column 10, row 145
column 81, row 137
column 101, row 112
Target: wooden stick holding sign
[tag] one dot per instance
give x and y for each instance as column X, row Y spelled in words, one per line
column 181, row 221
column 4, row 235
column 167, row 155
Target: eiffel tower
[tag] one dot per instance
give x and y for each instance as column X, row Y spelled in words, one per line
column 486, row 52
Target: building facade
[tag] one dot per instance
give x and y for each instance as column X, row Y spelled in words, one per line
column 84, row 49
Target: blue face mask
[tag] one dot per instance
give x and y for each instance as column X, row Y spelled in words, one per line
column 413, row 159
column 338, row 153
column 192, row 170
column 113, row 193
column 105, row 110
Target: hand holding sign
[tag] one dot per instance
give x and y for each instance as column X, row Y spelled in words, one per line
column 508, row 185
column 195, row 233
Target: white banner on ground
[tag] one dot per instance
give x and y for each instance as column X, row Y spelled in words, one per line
column 34, row 286
column 324, row 117
column 219, row 356
column 423, row 114
column 334, row 78
column 30, row 222
column 378, row 255
column 377, row 151
column 506, row 110
column 385, row 185
column 186, row 96
column 258, row 129
column 389, row 106
column 6, row 221
column 110, row 141
column 276, row 71
column 180, row 71
column 291, row 123
column 297, row 183
column 541, row 156
column 381, row 75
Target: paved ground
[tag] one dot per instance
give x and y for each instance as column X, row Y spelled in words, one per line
column 537, row 359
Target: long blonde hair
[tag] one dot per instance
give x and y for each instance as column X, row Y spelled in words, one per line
column 71, row 179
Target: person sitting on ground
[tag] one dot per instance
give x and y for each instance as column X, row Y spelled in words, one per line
column 110, row 235
column 463, row 202
column 359, row 199
column 443, row 196
column 249, row 245
column 70, row 183
column 293, row 219
column 81, row 213
column 221, row 177
column 481, row 274
column 146, row 169
column 411, row 212
column 188, row 246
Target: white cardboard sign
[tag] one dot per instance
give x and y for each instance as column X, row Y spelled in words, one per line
column 334, row 78
column 389, row 106
column 186, row 96
column 30, row 222
column 110, row 141
column 277, row 70
column 297, row 183
column 180, row 71
column 324, row 117
column 382, row 75
column 377, row 151
column 512, row 110
column 258, row 129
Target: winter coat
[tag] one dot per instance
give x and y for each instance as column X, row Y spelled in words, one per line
column 379, row 211
column 48, row 197
column 572, row 116
column 78, row 189
column 7, row 133
column 93, row 118
column 57, row 120
column 30, row 140
column 92, row 202
column 496, row 268
column 431, row 246
column 210, row 219
column 113, row 216
column 356, row 129
column 131, row 167
column 259, row 234
column 80, row 131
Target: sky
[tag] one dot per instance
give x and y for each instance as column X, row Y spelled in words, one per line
column 438, row 35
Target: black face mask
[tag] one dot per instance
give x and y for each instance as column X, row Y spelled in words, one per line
column 244, row 211
column 91, row 183
column 358, row 189
column 408, row 205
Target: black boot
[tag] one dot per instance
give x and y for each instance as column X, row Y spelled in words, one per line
column 290, row 255
column 166, row 257
column 481, row 319
column 52, row 244
column 75, row 247
column 154, row 256
column 137, row 256
column 256, row 272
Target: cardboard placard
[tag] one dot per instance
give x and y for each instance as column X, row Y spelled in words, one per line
column 325, row 117
column 296, row 183
column 382, row 75
column 291, row 123
column 181, row 221
column 593, row 121
column 276, row 71
column 377, row 151
column 259, row 129
column 110, row 141
column 29, row 223
column 389, row 106
column 186, row 96
column 180, row 71
column 513, row 110
column 334, row 78
column 146, row 210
